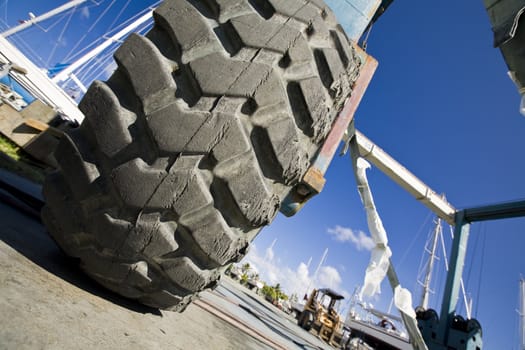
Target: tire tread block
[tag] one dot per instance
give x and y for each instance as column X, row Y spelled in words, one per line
column 148, row 71
column 173, row 127
column 215, row 237
column 102, row 109
column 135, row 181
column 187, row 275
column 188, row 28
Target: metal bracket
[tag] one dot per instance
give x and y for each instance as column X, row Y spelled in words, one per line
column 313, row 181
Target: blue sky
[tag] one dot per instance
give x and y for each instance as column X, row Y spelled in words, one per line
column 442, row 105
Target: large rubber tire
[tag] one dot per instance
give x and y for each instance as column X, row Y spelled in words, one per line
column 187, row 150
column 306, row 320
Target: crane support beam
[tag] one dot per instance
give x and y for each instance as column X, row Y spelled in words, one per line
column 404, row 178
column 496, row 211
column 455, row 271
column 463, row 218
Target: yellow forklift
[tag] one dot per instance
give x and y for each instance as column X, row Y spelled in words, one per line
column 320, row 316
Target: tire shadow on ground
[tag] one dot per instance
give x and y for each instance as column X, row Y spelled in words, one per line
column 26, row 234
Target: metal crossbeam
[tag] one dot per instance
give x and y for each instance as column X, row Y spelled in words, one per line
column 404, row 178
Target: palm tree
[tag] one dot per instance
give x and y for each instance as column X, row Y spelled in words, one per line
column 245, row 268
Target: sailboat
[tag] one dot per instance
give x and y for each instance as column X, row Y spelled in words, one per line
column 426, row 272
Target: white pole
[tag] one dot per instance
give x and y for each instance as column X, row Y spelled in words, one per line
column 309, row 262
column 35, row 20
column 314, row 276
column 522, row 313
column 320, row 263
column 63, row 75
column 428, row 276
column 78, row 82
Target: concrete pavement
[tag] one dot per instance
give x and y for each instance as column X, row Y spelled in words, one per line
column 47, row 302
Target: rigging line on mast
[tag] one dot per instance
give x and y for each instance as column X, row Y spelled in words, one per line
column 3, row 24
column 118, row 16
column 430, row 266
column 521, row 313
column 474, row 249
column 134, row 17
column 35, row 19
column 484, row 236
column 21, row 43
column 86, row 71
column 99, row 68
column 414, row 239
column 61, row 17
column 423, row 263
column 114, row 30
column 51, row 26
column 60, row 37
column 94, row 74
column 89, row 30
column 5, row 10
column 467, row 299
column 99, row 49
column 91, row 72
column 85, row 48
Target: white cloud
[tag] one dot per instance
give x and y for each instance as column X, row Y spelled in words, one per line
column 329, row 277
column 297, row 280
column 344, row 234
column 84, row 12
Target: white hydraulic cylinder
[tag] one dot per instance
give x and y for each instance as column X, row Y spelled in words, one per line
column 380, row 266
column 380, row 255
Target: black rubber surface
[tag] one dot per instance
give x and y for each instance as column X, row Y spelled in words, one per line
column 188, row 149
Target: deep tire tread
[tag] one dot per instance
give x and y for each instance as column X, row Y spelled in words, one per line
column 188, row 149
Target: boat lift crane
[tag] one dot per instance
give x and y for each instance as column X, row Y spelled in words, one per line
column 449, row 331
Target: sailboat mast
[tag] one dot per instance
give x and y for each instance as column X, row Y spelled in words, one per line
column 522, row 313
column 34, row 20
column 314, row 277
column 428, row 277
column 66, row 73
